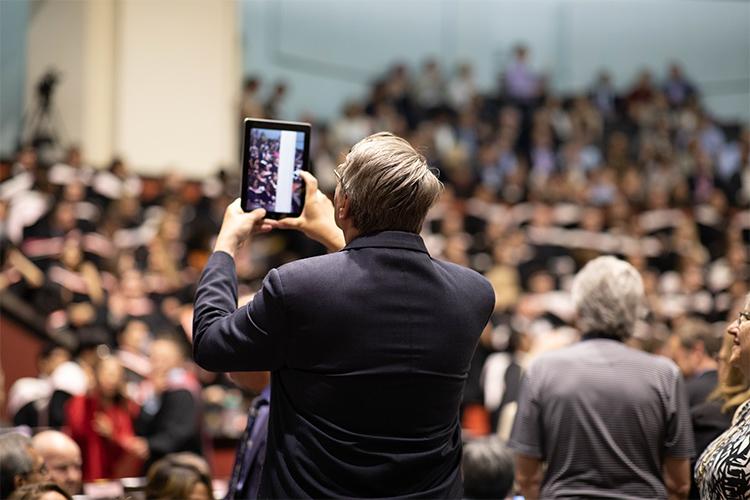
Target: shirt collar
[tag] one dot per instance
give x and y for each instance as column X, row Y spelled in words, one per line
column 388, row 239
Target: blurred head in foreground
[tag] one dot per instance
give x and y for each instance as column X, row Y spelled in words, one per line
column 20, row 464
column 62, row 456
column 173, row 477
column 488, row 468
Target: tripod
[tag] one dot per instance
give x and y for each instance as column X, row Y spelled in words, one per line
column 41, row 126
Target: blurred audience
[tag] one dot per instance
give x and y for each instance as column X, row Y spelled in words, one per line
column 538, row 183
column 62, row 456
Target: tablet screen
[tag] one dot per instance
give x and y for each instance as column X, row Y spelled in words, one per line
column 274, row 158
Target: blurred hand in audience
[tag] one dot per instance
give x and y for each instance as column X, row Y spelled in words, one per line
column 138, row 446
column 103, row 425
column 317, row 220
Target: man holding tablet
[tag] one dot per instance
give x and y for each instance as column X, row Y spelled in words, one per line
column 368, row 347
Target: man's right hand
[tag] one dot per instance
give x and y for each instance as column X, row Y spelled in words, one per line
column 317, row 219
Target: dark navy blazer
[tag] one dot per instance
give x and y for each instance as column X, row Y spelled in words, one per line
column 369, row 350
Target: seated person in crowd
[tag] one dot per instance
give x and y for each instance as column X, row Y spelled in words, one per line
column 72, row 378
column 20, row 464
column 694, row 347
column 101, row 423
column 29, row 397
column 607, row 419
column 62, row 456
column 170, row 420
column 133, row 341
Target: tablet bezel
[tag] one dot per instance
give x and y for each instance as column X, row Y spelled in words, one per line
column 251, row 123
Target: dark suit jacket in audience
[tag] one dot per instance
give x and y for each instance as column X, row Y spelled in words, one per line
column 171, row 423
column 369, row 349
column 700, row 386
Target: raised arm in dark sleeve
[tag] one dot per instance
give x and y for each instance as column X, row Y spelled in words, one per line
column 226, row 338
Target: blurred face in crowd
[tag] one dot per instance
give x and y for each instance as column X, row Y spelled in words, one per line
column 165, row 355
column 132, row 284
column 71, row 255
column 27, row 158
column 74, row 158
column 75, row 191
column 55, row 358
column 63, row 459
column 135, row 336
column 109, row 377
column 65, row 217
column 693, row 277
column 171, row 228
column 81, row 314
column 683, row 357
column 740, row 331
column 39, row 472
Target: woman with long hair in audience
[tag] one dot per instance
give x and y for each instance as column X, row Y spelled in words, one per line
column 723, row 470
column 101, row 423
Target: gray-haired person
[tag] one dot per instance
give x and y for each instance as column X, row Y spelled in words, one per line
column 609, row 421
column 369, row 347
column 20, row 464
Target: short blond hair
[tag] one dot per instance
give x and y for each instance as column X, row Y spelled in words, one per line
column 389, row 184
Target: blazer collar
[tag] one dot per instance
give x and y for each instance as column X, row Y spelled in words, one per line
column 388, row 239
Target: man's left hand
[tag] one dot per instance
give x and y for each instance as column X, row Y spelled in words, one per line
column 237, row 227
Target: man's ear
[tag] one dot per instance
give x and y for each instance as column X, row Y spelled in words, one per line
column 345, row 209
column 19, row 480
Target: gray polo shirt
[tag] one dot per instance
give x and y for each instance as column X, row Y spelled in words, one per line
column 603, row 416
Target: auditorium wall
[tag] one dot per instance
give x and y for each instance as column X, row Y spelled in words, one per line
column 13, row 21
column 155, row 81
column 178, row 84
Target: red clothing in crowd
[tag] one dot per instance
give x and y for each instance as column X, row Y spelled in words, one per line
column 103, row 457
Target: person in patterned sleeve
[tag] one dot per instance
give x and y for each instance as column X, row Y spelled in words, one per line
column 723, row 470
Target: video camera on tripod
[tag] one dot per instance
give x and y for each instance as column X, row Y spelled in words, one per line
column 46, row 87
column 41, row 126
